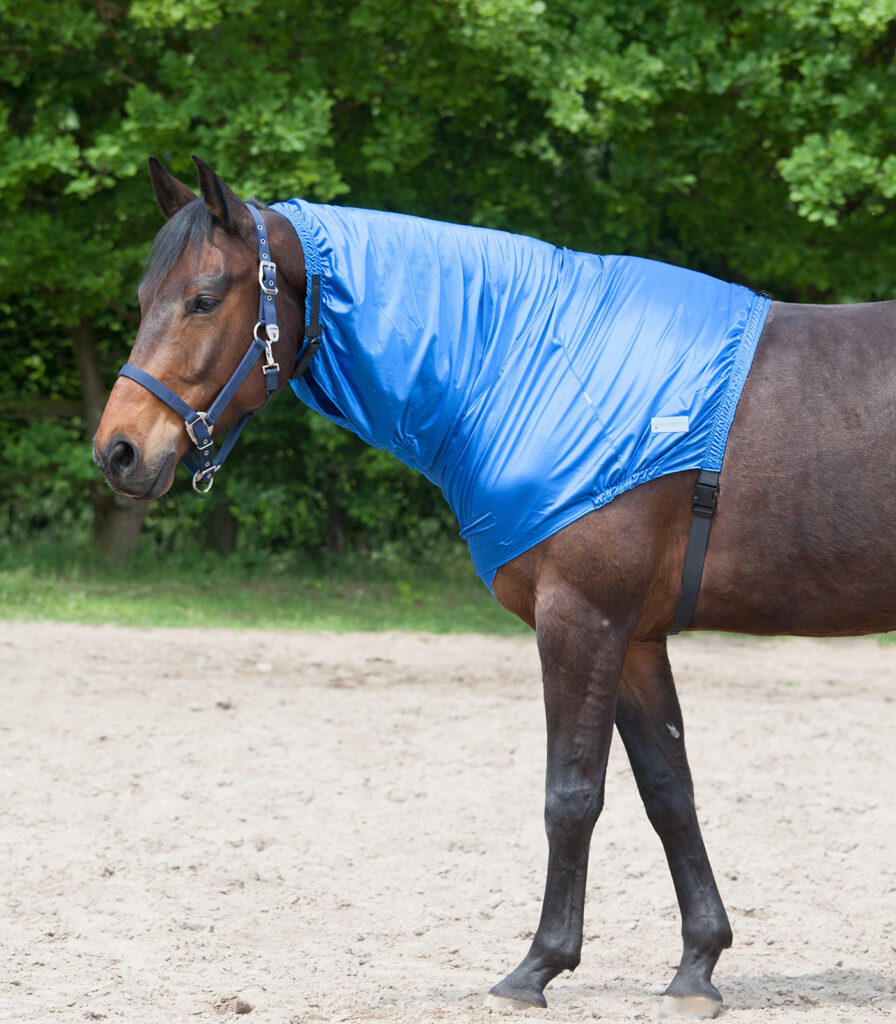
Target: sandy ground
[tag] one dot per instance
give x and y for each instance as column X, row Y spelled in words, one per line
column 349, row 828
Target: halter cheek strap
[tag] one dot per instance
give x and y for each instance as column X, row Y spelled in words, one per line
column 200, row 425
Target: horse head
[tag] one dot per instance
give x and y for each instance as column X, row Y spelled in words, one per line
column 198, row 301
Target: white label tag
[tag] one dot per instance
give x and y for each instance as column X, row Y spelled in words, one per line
column 670, row 424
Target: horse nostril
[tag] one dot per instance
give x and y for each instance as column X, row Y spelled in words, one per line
column 122, row 457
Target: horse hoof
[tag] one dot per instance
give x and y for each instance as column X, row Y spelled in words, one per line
column 508, row 1004
column 690, row 1006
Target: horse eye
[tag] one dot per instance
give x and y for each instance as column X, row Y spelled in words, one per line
column 206, row 303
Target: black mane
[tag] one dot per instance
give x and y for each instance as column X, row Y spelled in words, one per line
column 192, row 225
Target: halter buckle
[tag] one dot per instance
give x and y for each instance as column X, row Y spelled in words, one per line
column 191, row 433
column 264, row 266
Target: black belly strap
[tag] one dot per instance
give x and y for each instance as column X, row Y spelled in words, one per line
column 704, row 504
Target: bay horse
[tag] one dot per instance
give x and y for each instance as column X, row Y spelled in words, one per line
column 801, row 540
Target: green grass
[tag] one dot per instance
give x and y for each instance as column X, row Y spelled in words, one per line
column 440, row 594
column 437, row 594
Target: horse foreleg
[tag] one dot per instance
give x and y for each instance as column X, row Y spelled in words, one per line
column 581, row 656
column 648, row 717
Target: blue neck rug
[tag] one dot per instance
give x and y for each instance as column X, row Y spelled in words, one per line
column 531, row 384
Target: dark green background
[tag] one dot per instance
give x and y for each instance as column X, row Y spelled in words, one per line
column 751, row 140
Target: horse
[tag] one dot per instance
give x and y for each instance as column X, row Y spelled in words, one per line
column 801, row 540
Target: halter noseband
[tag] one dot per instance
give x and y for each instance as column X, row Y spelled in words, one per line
column 200, row 425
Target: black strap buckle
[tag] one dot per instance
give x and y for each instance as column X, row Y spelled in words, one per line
column 703, row 505
column 706, row 493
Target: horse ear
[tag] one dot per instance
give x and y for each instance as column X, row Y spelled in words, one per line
column 171, row 194
column 227, row 208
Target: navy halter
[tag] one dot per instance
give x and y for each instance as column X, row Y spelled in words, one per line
column 200, row 425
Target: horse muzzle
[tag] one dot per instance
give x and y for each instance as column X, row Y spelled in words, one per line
column 129, row 473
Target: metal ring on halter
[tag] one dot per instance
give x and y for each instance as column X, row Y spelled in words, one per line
column 272, row 331
column 201, row 475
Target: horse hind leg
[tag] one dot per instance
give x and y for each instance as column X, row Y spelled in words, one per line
column 648, row 718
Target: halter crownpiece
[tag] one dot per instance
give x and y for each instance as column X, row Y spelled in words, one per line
column 200, row 425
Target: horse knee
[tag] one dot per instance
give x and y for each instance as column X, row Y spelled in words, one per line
column 571, row 809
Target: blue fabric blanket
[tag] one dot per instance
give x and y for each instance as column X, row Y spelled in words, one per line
column 532, row 384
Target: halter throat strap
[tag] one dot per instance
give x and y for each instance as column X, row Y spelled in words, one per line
column 200, row 425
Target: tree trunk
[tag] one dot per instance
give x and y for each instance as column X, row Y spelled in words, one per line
column 117, row 521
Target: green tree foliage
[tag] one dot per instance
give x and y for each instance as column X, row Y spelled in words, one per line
column 752, row 140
